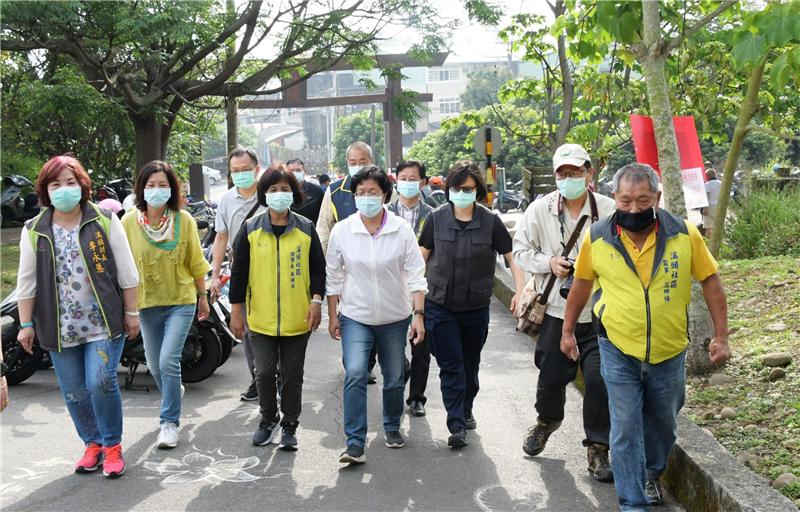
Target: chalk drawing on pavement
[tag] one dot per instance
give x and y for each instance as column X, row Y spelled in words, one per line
column 200, row 467
column 491, row 498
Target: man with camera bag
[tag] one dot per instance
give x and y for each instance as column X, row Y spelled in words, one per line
column 540, row 240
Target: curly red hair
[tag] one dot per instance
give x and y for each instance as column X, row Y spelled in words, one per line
column 53, row 168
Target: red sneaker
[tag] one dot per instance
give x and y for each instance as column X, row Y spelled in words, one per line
column 91, row 459
column 113, row 464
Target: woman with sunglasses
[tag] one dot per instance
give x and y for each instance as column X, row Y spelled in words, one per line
column 460, row 243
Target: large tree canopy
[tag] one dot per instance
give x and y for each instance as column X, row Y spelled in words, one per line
column 153, row 58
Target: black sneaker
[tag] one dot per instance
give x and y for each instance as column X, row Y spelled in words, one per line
column 266, row 432
column 395, row 440
column 353, row 455
column 469, row 422
column 288, row 438
column 599, row 467
column 371, row 378
column 536, row 438
column 457, row 439
column 250, row 394
column 652, row 488
column 417, row 408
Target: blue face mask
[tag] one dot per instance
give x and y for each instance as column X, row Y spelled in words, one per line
column 157, row 197
column 353, row 170
column 462, row 199
column 64, row 199
column 571, row 188
column 279, row 201
column 244, row 179
column 369, row 206
column 300, row 176
column 408, row 189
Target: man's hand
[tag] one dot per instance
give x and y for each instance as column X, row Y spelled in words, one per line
column 215, row 289
column 314, row 316
column 203, row 309
column 569, row 346
column 719, row 351
column 333, row 328
column 237, row 322
column 25, row 338
column 514, row 303
column 560, row 266
column 3, row 393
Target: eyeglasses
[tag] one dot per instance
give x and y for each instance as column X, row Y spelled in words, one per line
column 467, row 190
column 570, row 174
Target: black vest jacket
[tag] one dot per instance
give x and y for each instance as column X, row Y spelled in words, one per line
column 461, row 267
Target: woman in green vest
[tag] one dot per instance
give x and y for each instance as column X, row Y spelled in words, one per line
column 278, row 280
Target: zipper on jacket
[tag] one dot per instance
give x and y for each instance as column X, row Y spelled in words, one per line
column 278, row 253
column 649, row 326
column 377, row 294
column 91, row 282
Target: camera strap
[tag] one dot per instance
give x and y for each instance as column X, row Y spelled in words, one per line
column 567, row 248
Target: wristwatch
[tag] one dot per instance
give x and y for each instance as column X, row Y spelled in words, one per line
column 420, row 312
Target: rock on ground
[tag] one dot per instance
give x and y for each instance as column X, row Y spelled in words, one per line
column 776, row 374
column 774, row 359
column 728, row 413
column 783, row 480
column 776, row 327
column 720, row 379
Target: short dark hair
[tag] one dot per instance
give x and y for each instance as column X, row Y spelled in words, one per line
column 296, row 161
column 459, row 173
column 240, row 151
column 412, row 163
column 175, row 201
column 324, row 177
column 378, row 176
column 273, row 176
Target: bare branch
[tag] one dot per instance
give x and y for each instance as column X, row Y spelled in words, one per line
column 671, row 44
column 768, row 131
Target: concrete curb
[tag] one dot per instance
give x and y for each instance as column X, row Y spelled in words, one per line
column 701, row 474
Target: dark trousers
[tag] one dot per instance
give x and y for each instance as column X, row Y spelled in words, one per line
column 291, row 350
column 456, row 340
column 557, row 370
column 418, row 371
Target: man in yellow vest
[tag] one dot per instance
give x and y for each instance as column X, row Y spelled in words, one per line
column 640, row 262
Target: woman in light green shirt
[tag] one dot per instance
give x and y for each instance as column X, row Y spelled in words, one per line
column 172, row 271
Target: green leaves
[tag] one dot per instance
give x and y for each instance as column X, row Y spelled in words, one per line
column 748, row 48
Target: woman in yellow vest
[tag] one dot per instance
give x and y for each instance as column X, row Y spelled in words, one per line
column 279, row 276
column 172, row 267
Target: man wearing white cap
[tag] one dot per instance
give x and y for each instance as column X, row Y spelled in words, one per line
column 539, row 243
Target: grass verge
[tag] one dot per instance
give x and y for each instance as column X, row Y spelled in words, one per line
column 764, row 316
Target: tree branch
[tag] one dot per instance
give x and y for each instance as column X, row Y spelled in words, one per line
column 768, row 131
column 671, row 44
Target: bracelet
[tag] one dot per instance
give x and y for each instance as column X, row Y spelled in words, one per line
column 24, row 325
column 132, row 313
column 420, row 312
column 316, row 301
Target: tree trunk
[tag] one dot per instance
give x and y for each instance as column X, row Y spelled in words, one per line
column 149, row 144
column 652, row 58
column 749, row 108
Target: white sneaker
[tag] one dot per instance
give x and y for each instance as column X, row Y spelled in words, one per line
column 168, row 437
column 183, row 392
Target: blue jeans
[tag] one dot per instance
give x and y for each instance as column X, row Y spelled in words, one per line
column 457, row 339
column 87, row 376
column 164, row 330
column 644, row 400
column 357, row 342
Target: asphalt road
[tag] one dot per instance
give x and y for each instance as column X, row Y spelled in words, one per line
column 216, row 468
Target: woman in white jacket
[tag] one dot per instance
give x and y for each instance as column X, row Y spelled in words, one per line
column 375, row 271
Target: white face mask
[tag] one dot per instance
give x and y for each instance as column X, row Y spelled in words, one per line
column 299, row 176
column 353, row 170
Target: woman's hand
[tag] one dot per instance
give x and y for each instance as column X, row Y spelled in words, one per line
column 333, row 328
column 418, row 329
column 3, row 393
column 314, row 316
column 131, row 326
column 203, row 309
column 25, row 338
column 237, row 322
column 514, row 303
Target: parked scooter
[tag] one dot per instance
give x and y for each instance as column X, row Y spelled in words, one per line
column 18, row 202
column 21, row 364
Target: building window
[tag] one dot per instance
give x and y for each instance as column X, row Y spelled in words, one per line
column 444, row 75
column 449, row 105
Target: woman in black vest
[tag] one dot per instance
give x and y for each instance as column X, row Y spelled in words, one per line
column 460, row 243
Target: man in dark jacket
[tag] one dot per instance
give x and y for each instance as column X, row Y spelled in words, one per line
column 312, row 194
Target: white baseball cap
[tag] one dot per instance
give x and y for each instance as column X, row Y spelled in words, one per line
column 570, row 154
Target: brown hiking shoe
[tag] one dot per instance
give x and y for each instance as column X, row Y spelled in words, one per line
column 599, row 467
column 536, row 438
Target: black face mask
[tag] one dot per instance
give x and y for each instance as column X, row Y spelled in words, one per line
column 636, row 222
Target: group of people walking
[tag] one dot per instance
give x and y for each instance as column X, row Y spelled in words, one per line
column 393, row 271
